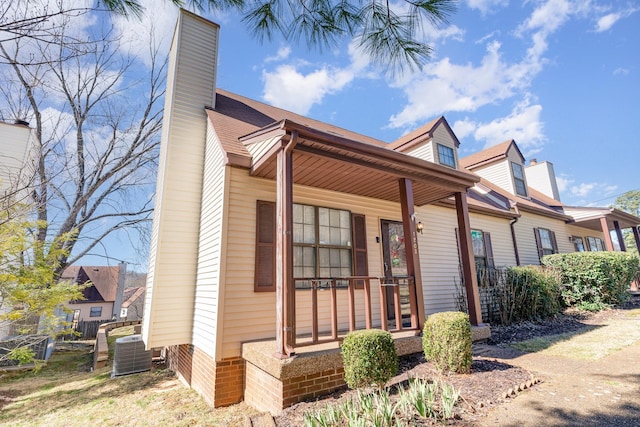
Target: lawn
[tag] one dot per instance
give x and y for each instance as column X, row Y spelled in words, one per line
column 66, row 393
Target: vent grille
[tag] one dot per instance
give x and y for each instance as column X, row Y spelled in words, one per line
column 130, row 356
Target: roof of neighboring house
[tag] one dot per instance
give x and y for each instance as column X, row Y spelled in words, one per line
column 103, row 278
column 130, row 295
column 489, row 155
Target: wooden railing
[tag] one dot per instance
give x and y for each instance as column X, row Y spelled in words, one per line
column 350, row 287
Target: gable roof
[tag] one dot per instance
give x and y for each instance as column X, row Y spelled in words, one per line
column 327, row 156
column 490, row 155
column 104, row 279
column 421, row 134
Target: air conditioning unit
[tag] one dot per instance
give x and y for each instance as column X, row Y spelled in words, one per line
column 130, row 356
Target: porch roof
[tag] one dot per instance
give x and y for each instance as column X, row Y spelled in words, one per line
column 326, row 156
column 589, row 217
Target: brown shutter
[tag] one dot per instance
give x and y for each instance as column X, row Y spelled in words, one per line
column 554, row 243
column 265, row 280
column 459, row 252
column 587, row 245
column 359, row 237
column 536, row 233
column 489, row 250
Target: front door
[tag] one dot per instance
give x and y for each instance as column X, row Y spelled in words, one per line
column 395, row 265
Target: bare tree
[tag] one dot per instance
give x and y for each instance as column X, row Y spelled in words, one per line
column 98, row 131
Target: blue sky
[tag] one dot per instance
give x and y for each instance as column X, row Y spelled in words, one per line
column 560, row 77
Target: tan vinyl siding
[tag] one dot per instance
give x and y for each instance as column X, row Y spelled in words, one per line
column 85, row 310
column 498, row 173
column 443, row 137
column 250, row 315
column 210, row 250
column 501, row 241
column 169, row 307
column 438, row 258
column 423, row 151
column 526, row 239
column 574, row 230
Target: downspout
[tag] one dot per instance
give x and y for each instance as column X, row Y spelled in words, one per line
column 513, row 233
column 288, row 288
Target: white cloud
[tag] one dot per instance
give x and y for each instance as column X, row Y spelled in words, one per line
column 487, row 6
column 444, row 86
column 523, row 125
column 607, row 21
column 153, row 29
column 563, row 182
column 621, row 71
column 582, row 190
column 288, row 88
column 283, row 53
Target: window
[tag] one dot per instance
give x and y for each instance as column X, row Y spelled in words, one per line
column 327, row 243
column 595, row 244
column 446, row 156
column 518, row 179
column 578, row 243
column 482, row 251
column 546, row 242
column 95, row 312
column 321, row 242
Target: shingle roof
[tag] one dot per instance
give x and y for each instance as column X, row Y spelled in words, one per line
column 103, row 278
column 488, row 155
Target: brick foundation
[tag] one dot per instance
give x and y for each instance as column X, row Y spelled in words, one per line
column 219, row 383
column 267, row 393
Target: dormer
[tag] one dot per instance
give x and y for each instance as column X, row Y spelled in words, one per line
column 434, row 142
column 503, row 165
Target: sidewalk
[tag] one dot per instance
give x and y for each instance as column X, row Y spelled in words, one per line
column 604, row 392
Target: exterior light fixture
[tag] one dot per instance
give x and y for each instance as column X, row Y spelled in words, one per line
column 419, row 227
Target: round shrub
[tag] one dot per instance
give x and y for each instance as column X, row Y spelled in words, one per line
column 446, row 341
column 369, row 358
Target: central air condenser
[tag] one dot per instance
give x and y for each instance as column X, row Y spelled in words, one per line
column 130, row 356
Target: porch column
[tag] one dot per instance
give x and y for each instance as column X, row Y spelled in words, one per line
column 469, row 276
column 285, row 287
column 636, row 236
column 608, row 244
column 616, row 225
column 411, row 250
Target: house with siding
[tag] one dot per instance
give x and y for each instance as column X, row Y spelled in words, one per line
column 274, row 234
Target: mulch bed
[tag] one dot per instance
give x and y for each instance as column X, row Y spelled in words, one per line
column 489, row 379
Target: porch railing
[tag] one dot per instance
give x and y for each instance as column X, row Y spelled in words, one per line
column 401, row 290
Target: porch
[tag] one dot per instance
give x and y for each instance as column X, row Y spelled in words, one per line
column 290, row 153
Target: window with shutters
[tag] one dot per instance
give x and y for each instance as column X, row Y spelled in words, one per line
column 518, row 179
column 327, row 243
column 595, row 244
column 545, row 241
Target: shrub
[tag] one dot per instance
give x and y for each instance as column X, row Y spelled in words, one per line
column 531, row 293
column 369, row 358
column 446, row 341
column 594, row 280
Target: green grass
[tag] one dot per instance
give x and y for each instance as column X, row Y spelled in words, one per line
column 65, row 393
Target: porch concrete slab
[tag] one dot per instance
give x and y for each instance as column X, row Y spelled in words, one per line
column 315, row 358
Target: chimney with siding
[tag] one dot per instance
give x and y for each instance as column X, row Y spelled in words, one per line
column 541, row 176
column 171, row 278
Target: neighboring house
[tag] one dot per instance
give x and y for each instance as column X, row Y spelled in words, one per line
column 132, row 304
column 101, row 295
column 275, row 234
